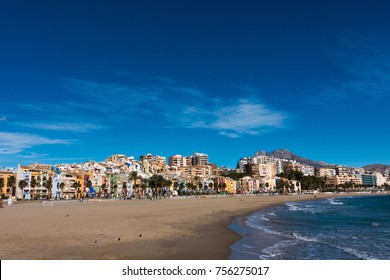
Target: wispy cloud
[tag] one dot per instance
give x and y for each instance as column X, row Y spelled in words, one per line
column 3, row 118
column 365, row 63
column 13, row 143
column 174, row 104
column 241, row 117
column 74, row 127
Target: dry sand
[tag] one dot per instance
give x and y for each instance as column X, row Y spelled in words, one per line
column 178, row 228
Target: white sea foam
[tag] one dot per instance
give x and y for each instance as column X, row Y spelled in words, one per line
column 357, row 253
column 278, row 249
column 305, row 238
column 303, row 208
column 335, row 202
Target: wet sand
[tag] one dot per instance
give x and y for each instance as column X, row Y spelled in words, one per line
column 178, row 228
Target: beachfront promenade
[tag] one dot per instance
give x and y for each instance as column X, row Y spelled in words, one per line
column 178, row 228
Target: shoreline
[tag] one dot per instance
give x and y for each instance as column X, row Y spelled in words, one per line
column 178, row 228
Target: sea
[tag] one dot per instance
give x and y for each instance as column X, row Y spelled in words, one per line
column 337, row 228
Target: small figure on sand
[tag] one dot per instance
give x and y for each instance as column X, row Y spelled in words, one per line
column 9, row 201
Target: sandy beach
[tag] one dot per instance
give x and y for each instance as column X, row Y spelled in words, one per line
column 178, row 228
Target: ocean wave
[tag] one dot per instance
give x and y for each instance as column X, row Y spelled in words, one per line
column 349, row 250
column 256, row 224
column 335, row 202
column 277, row 250
column 294, row 207
column 305, row 238
column 356, row 253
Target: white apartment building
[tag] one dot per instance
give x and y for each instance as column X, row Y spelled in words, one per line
column 307, row 170
column 326, row 172
column 380, row 179
column 200, row 159
column 260, row 158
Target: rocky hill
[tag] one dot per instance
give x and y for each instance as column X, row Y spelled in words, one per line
column 286, row 154
column 377, row 167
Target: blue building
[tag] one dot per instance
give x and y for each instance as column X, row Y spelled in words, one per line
column 368, row 180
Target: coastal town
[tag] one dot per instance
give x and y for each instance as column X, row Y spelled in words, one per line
column 151, row 176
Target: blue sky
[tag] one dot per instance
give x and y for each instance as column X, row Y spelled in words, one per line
column 81, row 80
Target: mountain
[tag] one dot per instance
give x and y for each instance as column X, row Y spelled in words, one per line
column 377, row 167
column 286, row 154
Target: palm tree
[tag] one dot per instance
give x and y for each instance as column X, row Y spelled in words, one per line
column 223, row 186
column 22, row 184
column 139, row 186
column 156, row 182
column 11, row 184
column 132, row 178
column 104, row 187
column 88, row 186
column 196, row 179
column 124, row 190
column 144, row 185
column 211, row 185
column 33, row 184
column 76, row 186
column 200, row 186
column 167, row 184
column 62, row 186
column 1, row 185
column 114, row 189
column 48, row 185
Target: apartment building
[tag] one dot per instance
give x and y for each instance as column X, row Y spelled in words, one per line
column 368, row 179
column 152, row 163
column 200, row 171
column 229, row 183
column 5, row 188
column 343, row 179
column 260, row 158
column 307, row 170
column 343, row 170
column 325, row 172
column 199, row 159
column 36, row 177
column 179, row 160
column 267, row 170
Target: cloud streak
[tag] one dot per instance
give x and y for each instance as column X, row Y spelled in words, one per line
column 175, row 105
column 74, row 127
column 365, row 61
column 183, row 107
column 242, row 117
column 13, row 143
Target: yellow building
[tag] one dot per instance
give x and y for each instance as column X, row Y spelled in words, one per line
column 231, row 185
column 342, row 179
column 5, row 189
column 36, row 177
